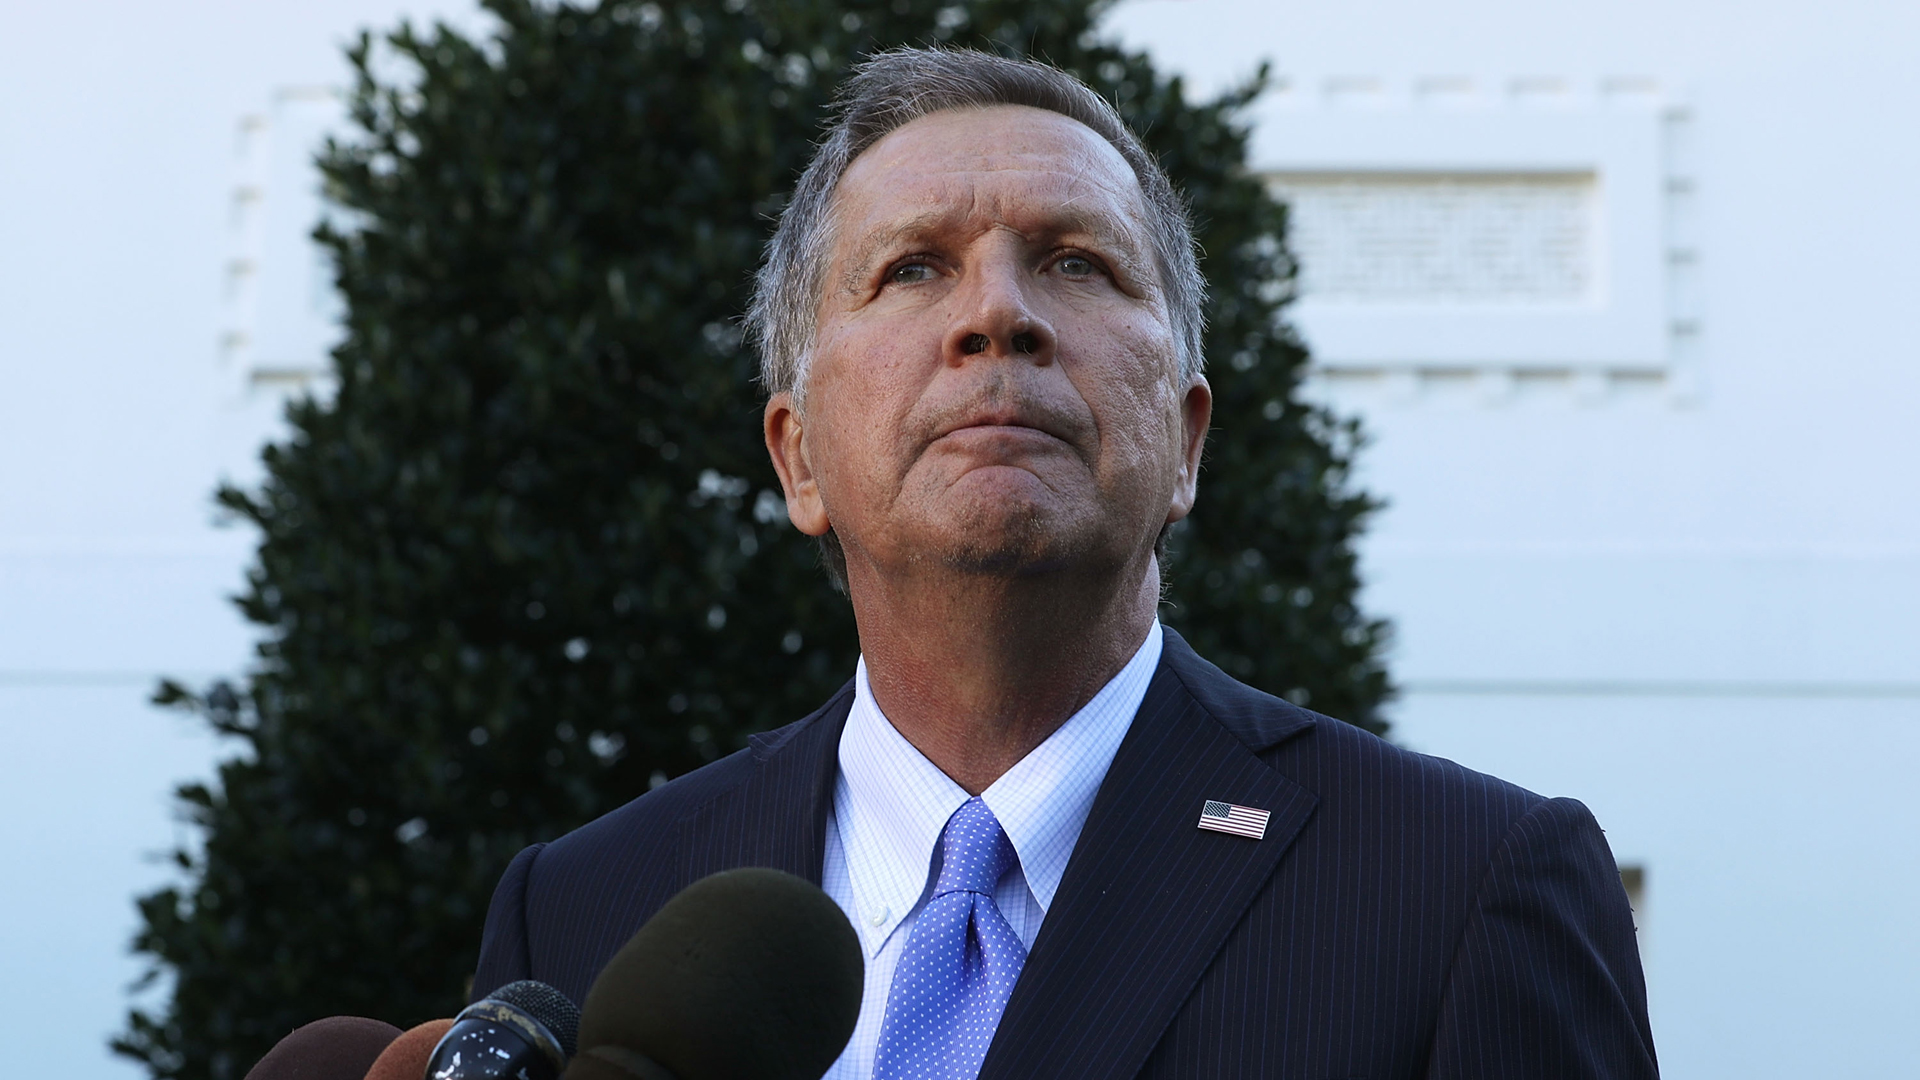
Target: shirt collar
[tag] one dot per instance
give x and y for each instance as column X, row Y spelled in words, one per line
column 1043, row 801
column 890, row 802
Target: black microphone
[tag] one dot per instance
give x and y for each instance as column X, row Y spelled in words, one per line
column 746, row 975
column 523, row 1031
column 337, row 1048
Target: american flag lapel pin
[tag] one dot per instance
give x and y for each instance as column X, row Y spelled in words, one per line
column 1239, row 820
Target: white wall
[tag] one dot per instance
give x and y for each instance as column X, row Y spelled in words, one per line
column 1684, row 592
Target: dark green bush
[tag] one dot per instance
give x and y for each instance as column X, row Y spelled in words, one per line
column 527, row 558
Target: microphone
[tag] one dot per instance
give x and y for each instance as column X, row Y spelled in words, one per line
column 750, row 974
column 337, row 1048
column 406, row 1057
column 523, row 1031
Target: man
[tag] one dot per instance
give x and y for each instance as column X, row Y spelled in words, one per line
column 1072, row 847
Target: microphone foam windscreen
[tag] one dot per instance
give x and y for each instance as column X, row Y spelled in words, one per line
column 406, row 1057
column 337, row 1048
column 749, row 974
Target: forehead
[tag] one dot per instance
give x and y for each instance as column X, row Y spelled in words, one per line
column 1003, row 164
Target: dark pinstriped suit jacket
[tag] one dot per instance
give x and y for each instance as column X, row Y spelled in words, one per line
column 1403, row 917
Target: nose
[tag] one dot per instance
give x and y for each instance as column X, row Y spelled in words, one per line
column 996, row 318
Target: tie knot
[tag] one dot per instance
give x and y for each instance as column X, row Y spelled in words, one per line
column 974, row 851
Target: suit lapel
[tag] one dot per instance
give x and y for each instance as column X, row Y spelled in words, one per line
column 778, row 817
column 1148, row 897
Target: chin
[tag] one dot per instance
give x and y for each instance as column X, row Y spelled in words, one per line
column 1017, row 545
column 1003, row 562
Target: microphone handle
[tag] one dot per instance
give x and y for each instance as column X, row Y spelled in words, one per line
column 611, row 1062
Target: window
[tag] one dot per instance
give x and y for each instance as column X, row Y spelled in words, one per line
column 1524, row 230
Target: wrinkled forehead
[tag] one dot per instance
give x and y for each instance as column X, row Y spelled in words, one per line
column 1004, row 165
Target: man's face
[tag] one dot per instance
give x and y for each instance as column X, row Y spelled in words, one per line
column 994, row 382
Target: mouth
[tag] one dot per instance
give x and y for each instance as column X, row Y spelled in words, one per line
column 1002, row 444
column 1013, row 424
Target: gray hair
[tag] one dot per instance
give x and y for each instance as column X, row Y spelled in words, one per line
column 894, row 88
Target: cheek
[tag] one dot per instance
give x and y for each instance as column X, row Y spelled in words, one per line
column 875, row 359
column 1143, row 400
column 862, row 388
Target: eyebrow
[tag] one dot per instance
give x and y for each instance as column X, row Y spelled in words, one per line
column 1066, row 219
column 860, row 265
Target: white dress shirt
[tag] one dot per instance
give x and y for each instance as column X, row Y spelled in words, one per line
column 890, row 804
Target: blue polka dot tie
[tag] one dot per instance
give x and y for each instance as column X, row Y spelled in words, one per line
column 960, row 964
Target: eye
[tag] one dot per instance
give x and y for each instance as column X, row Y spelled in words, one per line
column 1077, row 266
column 910, row 273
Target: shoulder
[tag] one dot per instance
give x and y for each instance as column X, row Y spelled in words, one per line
column 563, row 908
column 653, row 819
column 1346, row 766
column 652, row 815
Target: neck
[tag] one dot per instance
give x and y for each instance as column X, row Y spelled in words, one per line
column 977, row 670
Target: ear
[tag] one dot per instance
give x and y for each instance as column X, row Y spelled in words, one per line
column 786, row 437
column 1196, row 412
